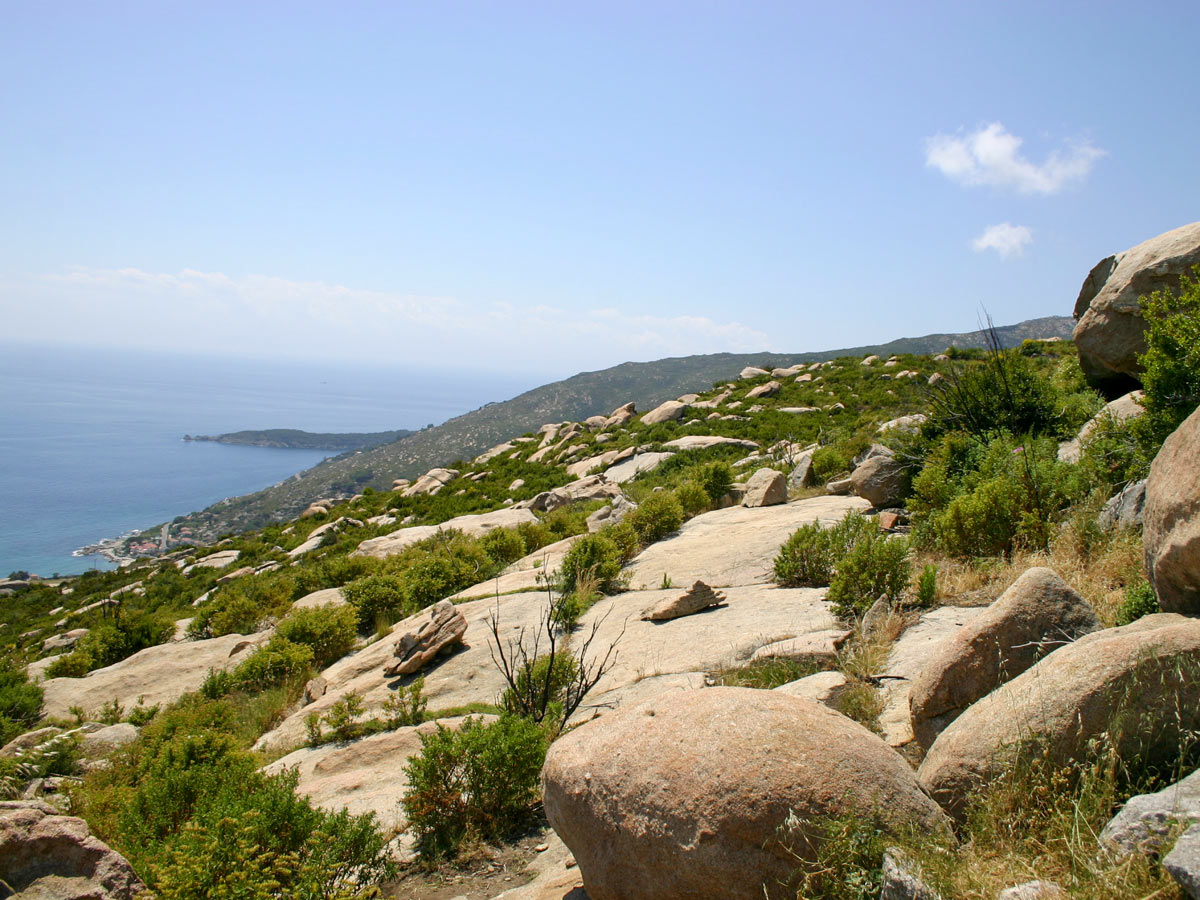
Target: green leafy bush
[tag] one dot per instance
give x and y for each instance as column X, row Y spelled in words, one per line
column 329, row 631
column 541, row 685
column 1171, row 363
column 828, row 462
column 693, row 498
column 108, row 643
column 927, row 587
column 656, row 516
column 377, row 598
column 479, row 782
column 195, row 816
column 809, row 556
column 277, row 662
column 876, row 566
column 1139, row 601
column 716, row 478
column 594, row 557
column 407, row 705
column 503, row 545
column 230, row 612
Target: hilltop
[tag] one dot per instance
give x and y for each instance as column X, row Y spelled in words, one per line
column 576, row 398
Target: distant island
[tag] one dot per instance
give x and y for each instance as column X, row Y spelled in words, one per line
column 294, row 439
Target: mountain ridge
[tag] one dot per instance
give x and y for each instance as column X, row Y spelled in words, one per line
column 570, row 399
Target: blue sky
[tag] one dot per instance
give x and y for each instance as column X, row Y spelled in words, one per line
column 551, row 187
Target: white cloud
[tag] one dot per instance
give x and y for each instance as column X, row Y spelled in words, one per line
column 267, row 315
column 1006, row 239
column 992, row 156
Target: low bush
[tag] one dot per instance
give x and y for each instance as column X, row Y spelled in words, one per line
column 716, row 478
column 278, row 662
column 109, row 643
column 503, row 545
column 809, row 556
column 1139, row 601
column 877, row 566
column 196, row 818
column 692, row 498
column 329, row 631
column 479, row 782
column 376, row 599
column 828, row 462
column 657, row 516
column 594, row 557
column 541, row 685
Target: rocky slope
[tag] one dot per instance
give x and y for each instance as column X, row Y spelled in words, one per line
column 573, row 399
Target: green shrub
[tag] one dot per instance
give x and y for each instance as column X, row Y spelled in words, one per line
column 407, row 705
column 1171, row 363
column 594, row 557
column 876, row 566
column 927, row 587
column 329, row 631
column 626, row 539
column 809, row 556
column 541, row 687
column 1139, row 601
column 503, row 545
column 828, row 462
column 168, row 802
column 693, row 498
column 479, row 782
column 377, row 598
column 657, row 516
column 716, row 478
column 1003, row 393
column 227, row 613
column 848, row 863
column 277, row 662
column 109, row 643
column 437, row 576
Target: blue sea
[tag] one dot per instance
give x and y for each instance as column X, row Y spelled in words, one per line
column 91, row 441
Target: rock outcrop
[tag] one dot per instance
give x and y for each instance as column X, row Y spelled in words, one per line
column 474, row 526
column 766, row 487
column 1127, row 406
column 670, row 411
column 1109, row 330
column 1150, row 669
column 684, row 798
column 417, row 647
column 1183, row 862
column 881, row 480
column 47, row 855
column 699, row 596
column 1171, row 520
column 1038, row 613
column 158, row 675
column 1146, row 821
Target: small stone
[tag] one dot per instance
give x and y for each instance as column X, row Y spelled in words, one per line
column 1033, row 890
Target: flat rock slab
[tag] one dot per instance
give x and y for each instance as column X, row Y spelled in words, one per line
column 819, row 647
column 635, row 466
column 717, row 638
column 526, row 574
column 704, row 441
column 475, row 526
column 465, row 676
column 820, row 687
column 735, row 546
column 327, row 597
column 908, row 657
column 361, row 776
column 555, row 875
column 651, row 657
column 160, row 675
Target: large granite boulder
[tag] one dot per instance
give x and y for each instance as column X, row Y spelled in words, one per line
column 881, row 480
column 696, row 598
column 430, row 483
column 683, row 798
column 1171, row 520
column 1149, row 670
column 1109, row 330
column 1127, row 406
column 55, row 857
column 474, row 526
column 1038, row 613
column 670, row 411
column 766, row 487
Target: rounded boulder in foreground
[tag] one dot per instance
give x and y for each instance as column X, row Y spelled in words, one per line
column 1171, row 520
column 682, row 797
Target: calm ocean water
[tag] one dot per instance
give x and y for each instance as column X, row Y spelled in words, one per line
column 91, row 441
